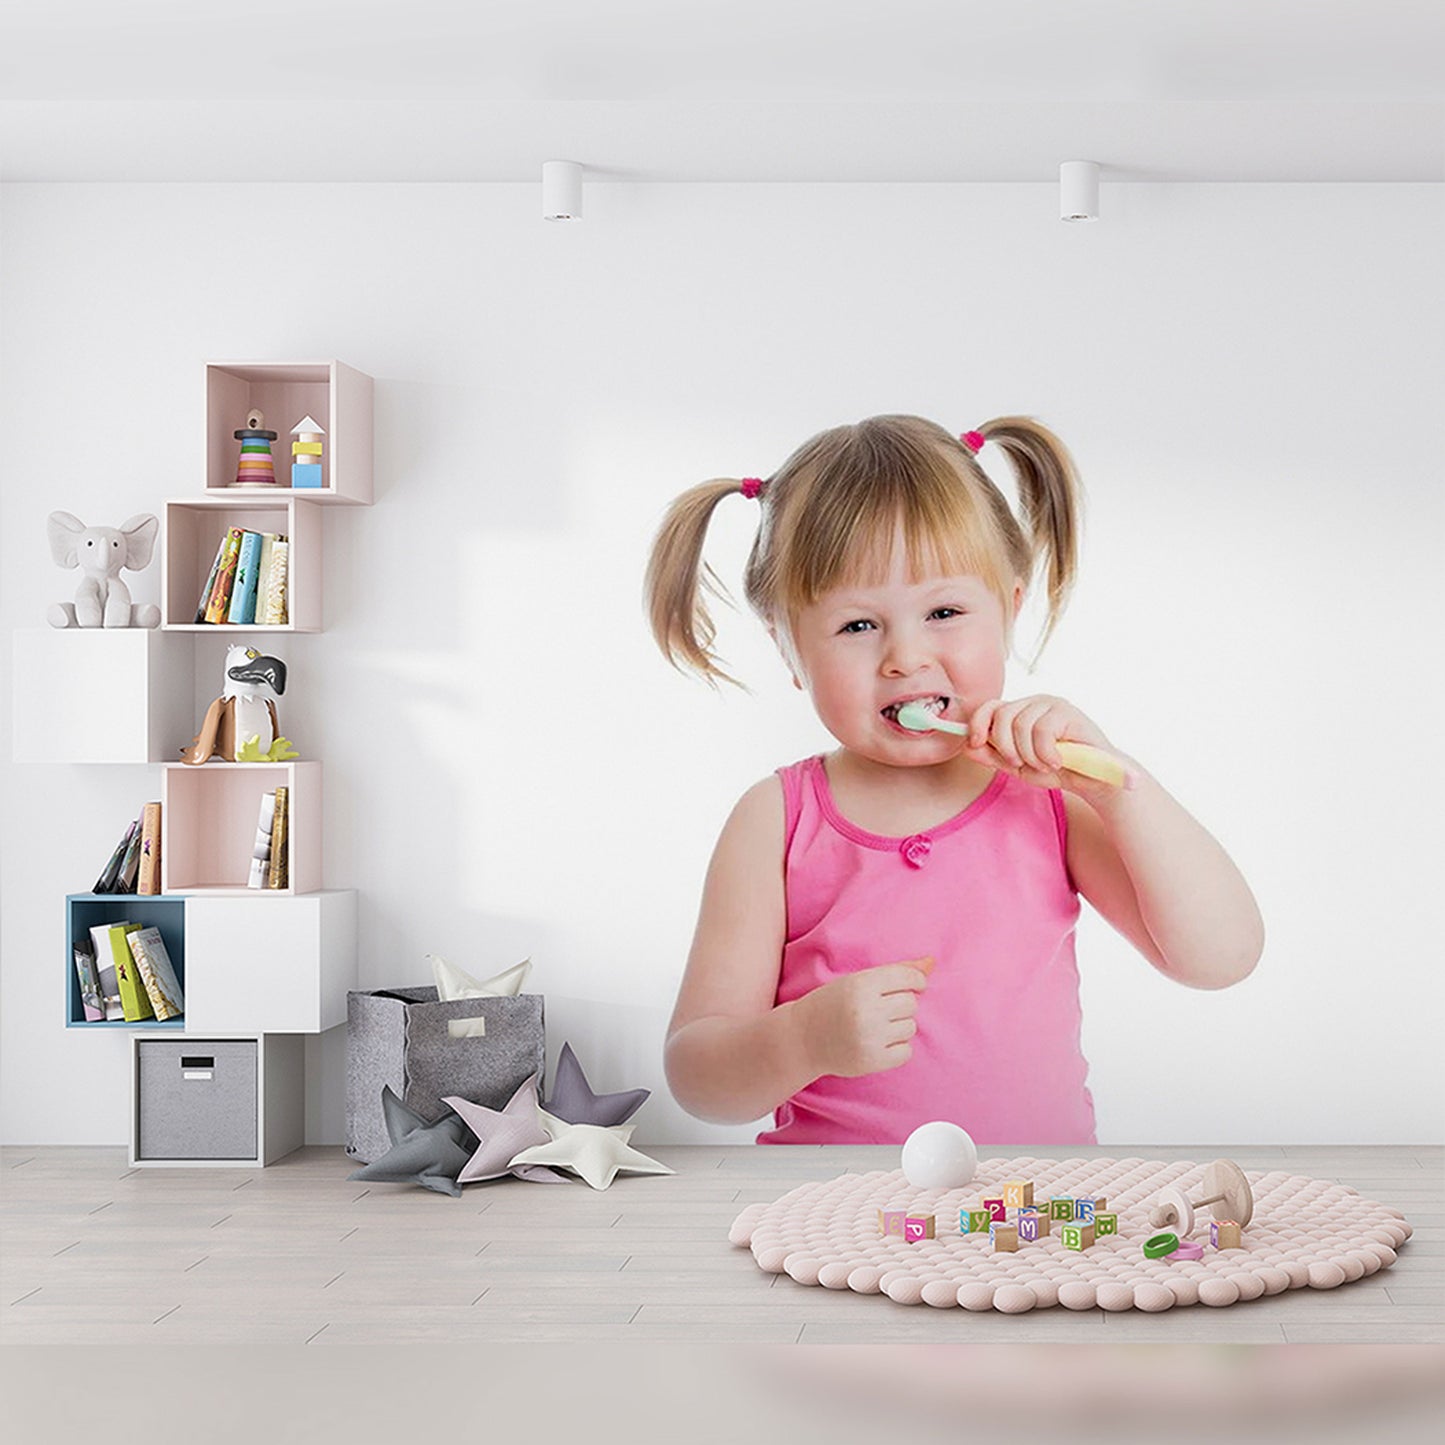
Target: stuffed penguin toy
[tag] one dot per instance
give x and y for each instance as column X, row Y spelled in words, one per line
column 244, row 712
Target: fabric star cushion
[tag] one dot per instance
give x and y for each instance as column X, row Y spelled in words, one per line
column 429, row 1154
column 502, row 1134
column 572, row 1098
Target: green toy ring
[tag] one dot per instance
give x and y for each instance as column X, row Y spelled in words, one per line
column 1158, row 1245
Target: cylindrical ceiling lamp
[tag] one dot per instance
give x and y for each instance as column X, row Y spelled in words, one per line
column 561, row 191
column 1079, row 191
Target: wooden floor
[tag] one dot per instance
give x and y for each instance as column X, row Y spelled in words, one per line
column 94, row 1252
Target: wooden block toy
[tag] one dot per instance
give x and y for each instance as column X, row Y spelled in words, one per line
column 1078, row 1236
column 1224, row 1234
column 1005, row 1237
column 1032, row 1225
column 890, row 1221
column 996, row 1207
column 974, row 1221
column 917, row 1226
column 1061, row 1206
column 1084, row 1208
column 1106, row 1223
column 1018, row 1193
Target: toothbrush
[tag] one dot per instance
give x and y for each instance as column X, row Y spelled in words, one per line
column 1092, row 762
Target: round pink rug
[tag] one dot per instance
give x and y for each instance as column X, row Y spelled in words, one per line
column 1305, row 1232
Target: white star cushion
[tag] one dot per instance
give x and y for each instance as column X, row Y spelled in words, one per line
column 595, row 1154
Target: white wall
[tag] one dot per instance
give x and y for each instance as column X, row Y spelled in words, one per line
column 1250, row 377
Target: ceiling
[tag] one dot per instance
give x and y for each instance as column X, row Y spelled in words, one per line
column 722, row 90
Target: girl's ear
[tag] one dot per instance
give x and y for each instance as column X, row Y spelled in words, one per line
column 1018, row 599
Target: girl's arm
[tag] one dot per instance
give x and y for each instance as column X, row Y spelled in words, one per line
column 1155, row 873
column 731, row 1056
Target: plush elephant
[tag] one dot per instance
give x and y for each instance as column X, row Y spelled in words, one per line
column 102, row 599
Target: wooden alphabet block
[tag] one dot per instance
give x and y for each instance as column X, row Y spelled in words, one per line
column 890, row 1221
column 1084, row 1208
column 1061, row 1207
column 974, row 1221
column 1106, row 1223
column 1078, row 1236
column 996, row 1207
column 1018, row 1192
column 916, row 1227
column 1005, row 1237
column 1224, row 1234
column 1032, row 1225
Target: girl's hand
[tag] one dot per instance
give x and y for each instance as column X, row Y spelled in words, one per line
column 862, row 1023
column 1022, row 737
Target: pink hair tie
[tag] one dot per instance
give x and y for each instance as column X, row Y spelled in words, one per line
column 973, row 440
column 752, row 487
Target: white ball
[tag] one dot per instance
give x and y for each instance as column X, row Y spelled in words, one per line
column 939, row 1155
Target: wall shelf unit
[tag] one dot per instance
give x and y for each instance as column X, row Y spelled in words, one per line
column 260, row 967
column 83, row 911
column 208, row 826
column 242, row 1106
column 330, row 392
column 194, row 529
column 101, row 695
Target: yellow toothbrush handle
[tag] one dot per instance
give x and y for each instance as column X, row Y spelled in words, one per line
column 1094, row 762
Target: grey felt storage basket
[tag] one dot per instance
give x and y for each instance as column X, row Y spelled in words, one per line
column 399, row 1036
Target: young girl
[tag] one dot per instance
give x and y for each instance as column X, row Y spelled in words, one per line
column 886, row 933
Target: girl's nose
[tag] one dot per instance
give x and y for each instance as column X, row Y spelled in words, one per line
column 903, row 655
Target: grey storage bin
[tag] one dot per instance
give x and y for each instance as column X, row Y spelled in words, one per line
column 399, row 1036
column 196, row 1099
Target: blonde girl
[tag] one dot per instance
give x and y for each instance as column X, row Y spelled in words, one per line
column 886, row 933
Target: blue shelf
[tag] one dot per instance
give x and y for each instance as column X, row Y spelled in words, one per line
column 166, row 912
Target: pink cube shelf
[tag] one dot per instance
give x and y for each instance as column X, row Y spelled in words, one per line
column 208, row 825
column 194, row 530
column 336, row 395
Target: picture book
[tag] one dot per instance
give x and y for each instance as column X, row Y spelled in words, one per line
column 157, row 972
column 204, row 601
column 106, row 882
column 220, row 602
column 275, row 606
column 149, row 881
column 242, row 608
column 91, row 1002
column 280, row 836
column 125, row 880
column 261, row 849
column 111, row 948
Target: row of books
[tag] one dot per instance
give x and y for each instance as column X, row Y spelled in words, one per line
column 272, row 846
column 248, row 580
column 126, row 973
column 135, row 863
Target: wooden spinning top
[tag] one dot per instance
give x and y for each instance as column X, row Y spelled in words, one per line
column 1224, row 1186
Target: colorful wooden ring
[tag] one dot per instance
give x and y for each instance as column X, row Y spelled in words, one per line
column 1158, row 1245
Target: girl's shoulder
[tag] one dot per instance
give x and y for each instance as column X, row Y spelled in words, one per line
column 759, row 812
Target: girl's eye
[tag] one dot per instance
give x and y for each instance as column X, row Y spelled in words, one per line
column 946, row 612
column 857, row 625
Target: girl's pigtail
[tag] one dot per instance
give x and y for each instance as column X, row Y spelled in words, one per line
column 679, row 582
column 1052, row 500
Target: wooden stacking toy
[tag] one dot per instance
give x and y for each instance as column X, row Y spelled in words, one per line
column 306, row 453
column 255, row 468
column 1224, row 1184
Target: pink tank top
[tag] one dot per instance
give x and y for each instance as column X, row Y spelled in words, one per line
column 988, row 894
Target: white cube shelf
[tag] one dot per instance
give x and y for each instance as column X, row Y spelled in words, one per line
column 195, row 529
column 330, row 392
column 280, row 1095
column 101, row 695
column 283, row 966
column 209, row 813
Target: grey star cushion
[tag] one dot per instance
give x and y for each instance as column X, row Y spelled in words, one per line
column 428, row 1154
column 572, row 1098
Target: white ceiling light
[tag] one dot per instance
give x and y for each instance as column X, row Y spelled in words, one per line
column 561, row 191
column 1079, row 191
